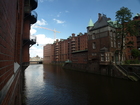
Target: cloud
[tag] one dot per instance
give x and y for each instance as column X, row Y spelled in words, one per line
column 58, row 15
column 41, row 40
column 66, row 11
column 58, row 21
column 32, row 31
column 34, row 51
column 41, row 22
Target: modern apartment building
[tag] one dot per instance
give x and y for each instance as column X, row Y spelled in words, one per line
column 63, row 49
column 16, row 16
column 47, row 58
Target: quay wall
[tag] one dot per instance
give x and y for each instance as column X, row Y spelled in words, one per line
column 106, row 70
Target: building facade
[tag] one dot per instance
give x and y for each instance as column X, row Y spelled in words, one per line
column 16, row 18
column 47, row 54
column 137, row 18
column 104, row 42
column 63, row 49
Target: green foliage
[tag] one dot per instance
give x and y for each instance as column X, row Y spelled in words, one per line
column 123, row 15
column 128, row 62
column 135, row 53
column 132, row 28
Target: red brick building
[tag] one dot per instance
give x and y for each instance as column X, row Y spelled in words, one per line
column 104, row 44
column 15, row 19
column 47, row 54
column 135, row 41
column 137, row 18
column 64, row 49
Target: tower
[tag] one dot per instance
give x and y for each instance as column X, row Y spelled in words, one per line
column 90, row 25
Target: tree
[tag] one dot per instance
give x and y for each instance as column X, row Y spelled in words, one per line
column 123, row 16
column 135, row 53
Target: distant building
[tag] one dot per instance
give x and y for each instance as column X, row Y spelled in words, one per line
column 16, row 16
column 37, row 58
column 61, row 51
column 101, row 45
column 47, row 58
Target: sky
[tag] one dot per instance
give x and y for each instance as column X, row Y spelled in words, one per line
column 71, row 16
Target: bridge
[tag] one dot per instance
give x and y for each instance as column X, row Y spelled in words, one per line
column 36, row 62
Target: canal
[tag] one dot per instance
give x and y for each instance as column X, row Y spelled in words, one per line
column 51, row 85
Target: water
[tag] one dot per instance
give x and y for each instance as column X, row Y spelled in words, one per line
column 51, row 85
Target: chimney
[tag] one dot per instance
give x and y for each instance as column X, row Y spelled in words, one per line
column 99, row 16
column 73, row 34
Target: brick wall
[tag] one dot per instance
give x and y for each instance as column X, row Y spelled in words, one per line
column 10, row 46
column 7, row 39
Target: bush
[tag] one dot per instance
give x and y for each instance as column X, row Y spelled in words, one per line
column 132, row 62
column 127, row 62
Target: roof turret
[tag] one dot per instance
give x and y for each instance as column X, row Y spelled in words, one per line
column 90, row 24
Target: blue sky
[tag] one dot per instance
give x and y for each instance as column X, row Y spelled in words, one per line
column 72, row 16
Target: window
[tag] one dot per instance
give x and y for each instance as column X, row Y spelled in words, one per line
column 111, row 43
column 93, row 36
column 102, row 57
column 106, row 56
column 93, row 45
column 114, row 43
column 119, row 45
column 94, row 54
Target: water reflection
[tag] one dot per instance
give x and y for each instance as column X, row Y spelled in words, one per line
column 51, row 85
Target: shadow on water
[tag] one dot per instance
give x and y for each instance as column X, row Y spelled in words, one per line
column 51, row 85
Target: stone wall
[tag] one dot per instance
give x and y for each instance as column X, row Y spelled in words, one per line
column 107, row 70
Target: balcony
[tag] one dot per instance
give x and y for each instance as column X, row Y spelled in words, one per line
column 34, row 4
column 73, row 49
column 73, row 46
column 30, row 41
column 33, row 17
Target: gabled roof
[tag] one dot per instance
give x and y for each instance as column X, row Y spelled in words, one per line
column 101, row 22
column 90, row 24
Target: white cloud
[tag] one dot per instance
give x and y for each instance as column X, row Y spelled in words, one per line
column 58, row 15
column 66, row 11
column 59, row 21
column 32, row 31
column 41, row 22
column 34, row 51
column 38, row 23
column 42, row 39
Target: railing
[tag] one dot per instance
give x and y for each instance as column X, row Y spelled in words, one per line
column 34, row 4
column 33, row 17
column 126, row 72
column 129, row 74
